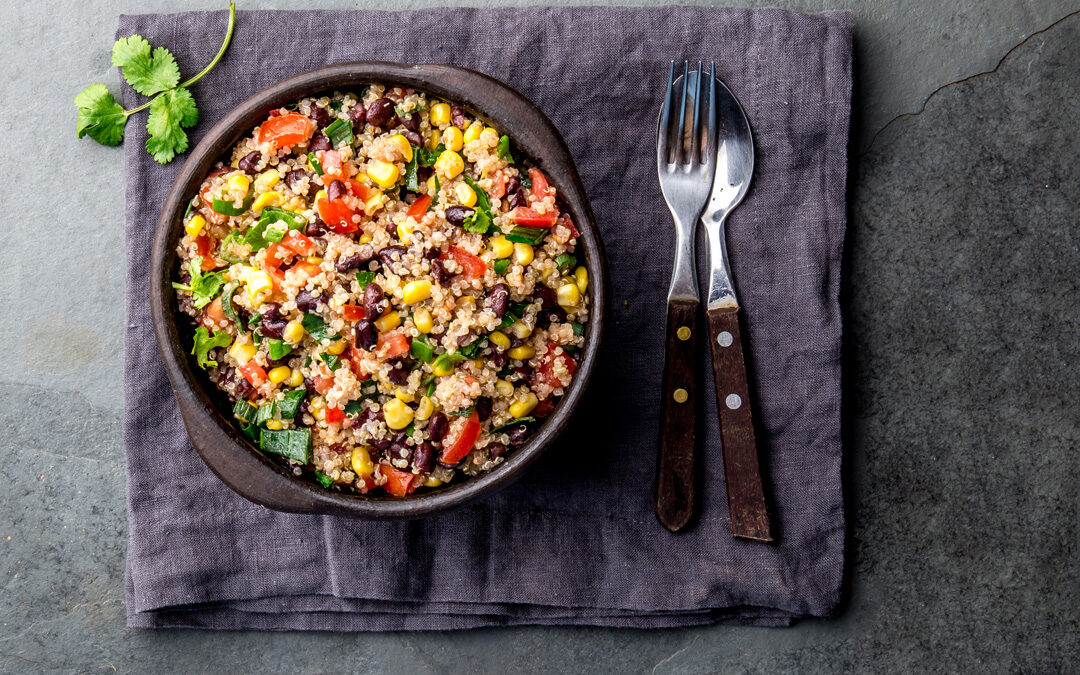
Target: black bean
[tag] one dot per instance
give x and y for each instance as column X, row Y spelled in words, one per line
column 379, row 112
column 496, row 450
column 270, row 310
column 306, row 301
column 517, row 434
column 335, row 190
column 438, row 426
column 441, row 274
column 515, row 341
column 351, row 262
column 399, row 449
column 411, row 122
column 243, row 387
column 320, row 115
column 424, row 457
column 433, row 253
column 513, row 185
column 380, row 445
column 457, row 116
column 294, row 177
column 273, row 363
column 516, row 200
column 549, row 300
column 250, row 162
column 390, row 254
column 316, row 229
column 413, row 137
column 498, row 298
column 456, row 215
column 320, row 142
column 273, row 327
column 374, row 300
column 399, row 374
column 498, row 358
column 367, row 336
column 357, row 114
column 483, row 408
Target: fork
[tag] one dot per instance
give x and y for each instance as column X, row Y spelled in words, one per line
column 686, row 164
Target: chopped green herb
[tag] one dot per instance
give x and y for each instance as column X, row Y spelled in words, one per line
column 204, row 343
column 422, row 349
column 504, row 149
column 314, row 163
column 473, row 349
column 244, row 411
column 339, row 132
column 203, row 287
column 572, row 350
column 369, row 389
column 324, row 480
column 527, row 235
column 412, row 182
column 331, row 360
column 428, row 157
column 479, row 222
column 278, row 349
column 520, row 420
column 579, row 329
column 307, row 362
column 515, row 311
column 565, row 261
column 317, row 328
column 501, row 265
column 227, row 306
column 447, row 360
column 272, row 214
column 353, row 408
column 289, row 406
column 295, row 444
column 464, row 412
column 409, row 430
column 336, row 105
column 364, row 278
column 526, row 179
column 435, row 197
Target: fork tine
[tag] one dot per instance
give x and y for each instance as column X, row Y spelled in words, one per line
column 712, row 132
column 680, row 153
column 696, row 151
column 663, row 133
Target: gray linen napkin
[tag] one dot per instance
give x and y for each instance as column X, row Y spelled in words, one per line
column 575, row 542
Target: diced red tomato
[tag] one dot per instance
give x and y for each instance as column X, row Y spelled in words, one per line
column 540, row 186
column 498, row 185
column 356, row 357
column 419, row 207
column 204, row 247
column 527, row 216
column 322, row 384
column 277, row 277
column 253, row 373
column 396, row 92
column 277, row 255
column 392, row 345
column 285, row 130
column 330, row 161
column 298, row 243
column 213, row 315
column 365, row 483
column 337, row 215
column 544, row 408
column 456, row 451
column 303, row 270
column 545, row 372
column 569, row 224
column 334, row 415
column 353, row 312
column 472, row 267
column 398, row 483
column 357, row 189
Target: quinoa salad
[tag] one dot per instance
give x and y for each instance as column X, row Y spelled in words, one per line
column 389, row 295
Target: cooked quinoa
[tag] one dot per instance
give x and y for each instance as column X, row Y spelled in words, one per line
column 387, row 294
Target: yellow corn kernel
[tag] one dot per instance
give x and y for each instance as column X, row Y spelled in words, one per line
column 489, row 137
column 449, row 164
column 421, row 318
column 499, row 339
column 396, row 414
column 504, row 388
column 259, row 286
column 383, row 173
column 439, row 114
column 501, row 247
column 317, row 406
column 296, row 378
column 337, row 347
column 432, row 481
column 466, row 196
column 361, row 461
column 239, row 182
column 267, row 180
column 425, row 409
column 195, row 225
column 441, row 368
column 274, row 425
column 294, row 332
column 581, row 276
column 364, row 238
column 375, row 201
column 320, row 195
column 404, row 395
column 524, row 406
column 405, row 229
column 242, row 352
column 522, row 353
column 388, row 321
column 473, row 132
column 296, row 205
column 402, row 145
column 568, row 294
column 523, row 254
column 314, row 259
column 416, row 291
column 272, row 198
column 520, row 330
column 431, row 187
column 453, row 139
column 279, row 374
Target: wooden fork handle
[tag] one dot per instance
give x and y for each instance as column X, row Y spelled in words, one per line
column 675, row 469
column 746, row 498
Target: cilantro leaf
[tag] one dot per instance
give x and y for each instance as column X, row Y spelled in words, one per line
column 204, row 343
column 479, row 221
column 100, row 116
column 504, row 149
column 148, row 72
column 169, row 112
column 203, row 286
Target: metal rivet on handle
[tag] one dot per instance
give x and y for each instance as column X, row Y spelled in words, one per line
column 724, row 339
column 733, row 401
column 680, row 396
column 683, row 333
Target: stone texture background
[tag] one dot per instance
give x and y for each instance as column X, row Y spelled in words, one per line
column 962, row 352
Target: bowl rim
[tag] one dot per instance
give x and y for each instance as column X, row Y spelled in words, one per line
column 236, row 461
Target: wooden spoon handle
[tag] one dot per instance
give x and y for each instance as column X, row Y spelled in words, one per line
column 746, row 499
column 675, row 471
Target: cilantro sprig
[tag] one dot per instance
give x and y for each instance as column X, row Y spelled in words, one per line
column 150, row 72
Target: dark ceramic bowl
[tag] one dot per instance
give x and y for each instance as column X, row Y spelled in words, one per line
column 205, row 409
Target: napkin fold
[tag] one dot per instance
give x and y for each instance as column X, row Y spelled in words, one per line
column 575, row 541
